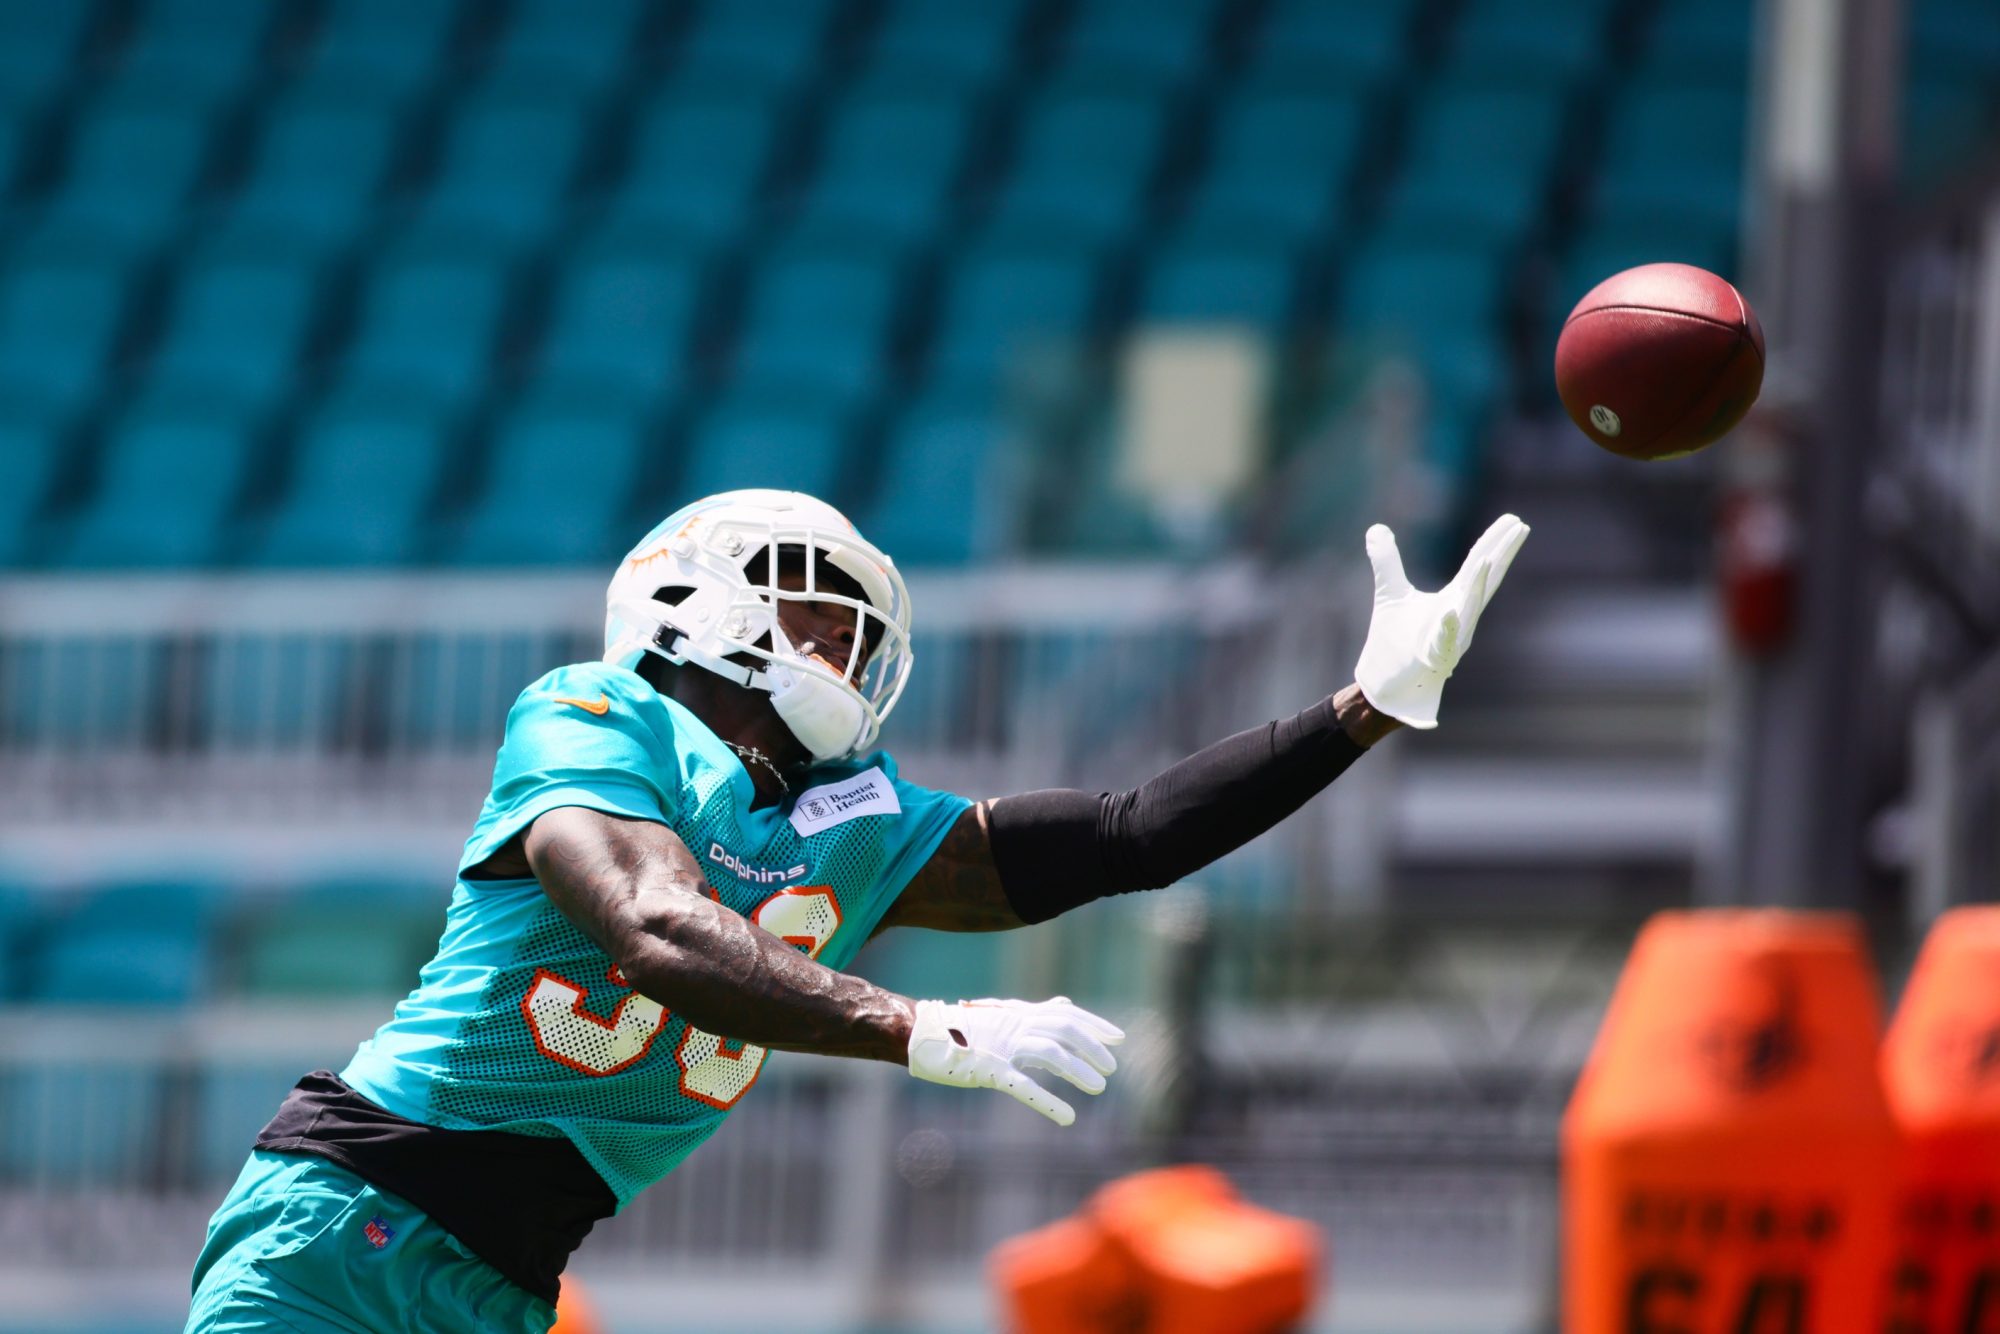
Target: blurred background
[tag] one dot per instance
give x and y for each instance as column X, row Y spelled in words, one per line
column 344, row 344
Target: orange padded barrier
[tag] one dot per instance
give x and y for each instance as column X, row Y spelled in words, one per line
column 1728, row 1157
column 1941, row 1069
column 1171, row 1251
column 1065, row 1278
column 574, row 1312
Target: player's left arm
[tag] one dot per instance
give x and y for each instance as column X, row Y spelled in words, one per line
column 1024, row 859
column 1060, row 848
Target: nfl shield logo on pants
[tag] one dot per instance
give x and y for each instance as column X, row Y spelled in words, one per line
column 379, row 1233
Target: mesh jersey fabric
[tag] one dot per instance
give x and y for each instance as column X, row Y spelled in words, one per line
column 521, row 1023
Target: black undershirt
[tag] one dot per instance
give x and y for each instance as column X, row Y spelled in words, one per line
column 521, row 1203
column 1059, row 848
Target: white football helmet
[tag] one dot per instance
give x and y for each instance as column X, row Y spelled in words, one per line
column 702, row 587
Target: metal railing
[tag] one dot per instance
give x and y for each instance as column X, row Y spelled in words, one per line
column 1424, row 1148
column 219, row 710
column 1937, row 497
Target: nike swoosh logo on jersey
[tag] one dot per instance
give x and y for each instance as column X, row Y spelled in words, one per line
column 599, row 706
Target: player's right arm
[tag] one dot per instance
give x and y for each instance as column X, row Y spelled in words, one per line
column 634, row 888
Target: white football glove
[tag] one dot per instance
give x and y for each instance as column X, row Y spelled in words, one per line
column 991, row 1044
column 1416, row 639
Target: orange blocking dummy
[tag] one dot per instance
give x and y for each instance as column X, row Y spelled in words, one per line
column 1728, row 1158
column 574, row 1312
column 1171, row 1251
column 1941, row 1069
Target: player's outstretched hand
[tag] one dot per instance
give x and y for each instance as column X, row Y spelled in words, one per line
column 1416, row 639
column 992, row 1044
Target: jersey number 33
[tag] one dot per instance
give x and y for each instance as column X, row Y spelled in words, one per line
column 714, row 1070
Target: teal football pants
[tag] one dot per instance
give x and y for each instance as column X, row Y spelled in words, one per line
column 301, row 1245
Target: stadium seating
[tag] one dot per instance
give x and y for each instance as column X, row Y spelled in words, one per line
column 1012, row 296
column 819, row 320
column 541, row 503
column 140, row 943
column 835, row 219
column 892, row 157
column 135, row 155
column 364, row 469
column 238, row 322
column 963, row 45
column 1281, row 165
column 168, row 479
column 801, row 443
column 319, row 163
column 38, row 45
column 61, row 313
column 699, row 156
column 205, row 47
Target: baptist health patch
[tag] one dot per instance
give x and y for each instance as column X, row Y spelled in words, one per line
column 867, row 793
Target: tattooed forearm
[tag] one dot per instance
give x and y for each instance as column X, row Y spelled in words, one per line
column 958, row 889
column 634, row 888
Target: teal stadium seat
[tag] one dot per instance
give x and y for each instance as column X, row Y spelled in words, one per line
column 364, row 470
column 1674, row 152
column 762, row 439
column 1161, row 42
column 341, row 938
column 1280, row 164
column 38, row 47
column 625, row 314
column 139, row 943
column 1336, row 43
column 171, row 473
column 769, row 44
column 509, row 156
column 134, row 157
column 1701, row 41
column 949, row 488
column 397, row 44
column 1005, row 298
column 1437, row 306
column 320, row 159
column 1954, row 40
column 699, row 156
column 551, row 42
column 559, row 476
column 1479, row 167
column 208, row 47
column 237, row 324
column 17, row 137
column 60, row 319
column 1528, row 43
column 1084, row 165
column 892, row 157
column 1947, row 123
column 34, row 443
column 819, row 320
column 1207, row 282
column 430, row 321
column 964, row 45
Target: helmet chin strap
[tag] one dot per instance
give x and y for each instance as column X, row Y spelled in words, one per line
column 827, row 720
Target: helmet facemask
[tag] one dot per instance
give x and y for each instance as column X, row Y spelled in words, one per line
column 708, row 590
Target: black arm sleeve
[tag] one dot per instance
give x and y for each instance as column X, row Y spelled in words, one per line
column 1059, row 848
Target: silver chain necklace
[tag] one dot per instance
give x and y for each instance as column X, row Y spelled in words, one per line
column 756, row 756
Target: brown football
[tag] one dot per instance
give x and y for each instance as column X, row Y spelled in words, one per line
column 1659, row 360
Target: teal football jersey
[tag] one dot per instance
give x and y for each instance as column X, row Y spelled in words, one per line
column 521, row 1023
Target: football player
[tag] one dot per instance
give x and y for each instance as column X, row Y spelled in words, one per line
column 684, row 845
